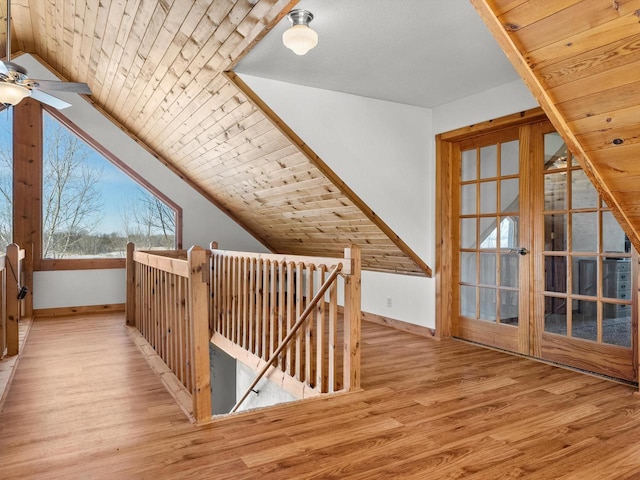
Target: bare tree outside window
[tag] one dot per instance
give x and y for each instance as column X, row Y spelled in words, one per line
column 71, row 201
column 149, row 222
column 90, row 207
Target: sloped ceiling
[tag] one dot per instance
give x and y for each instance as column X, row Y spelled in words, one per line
column 157, row 68
column 581, row 59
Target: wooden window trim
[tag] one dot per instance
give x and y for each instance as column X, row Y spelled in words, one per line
column 34, row 143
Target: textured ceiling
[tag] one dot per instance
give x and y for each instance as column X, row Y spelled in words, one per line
column 417, row 52
column 157, row 68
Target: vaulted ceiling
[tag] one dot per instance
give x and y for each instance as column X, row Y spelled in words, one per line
column 581, row 60
column 158, row 69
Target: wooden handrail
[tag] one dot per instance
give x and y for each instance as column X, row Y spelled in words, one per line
column 295, row 259
column 176, row 266
column 318, row 296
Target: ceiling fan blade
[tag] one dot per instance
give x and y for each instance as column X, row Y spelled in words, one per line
column 3, row 69
column 49, row 99
column 56, row 86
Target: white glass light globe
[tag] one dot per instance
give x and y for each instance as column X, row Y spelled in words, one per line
column 300, row 39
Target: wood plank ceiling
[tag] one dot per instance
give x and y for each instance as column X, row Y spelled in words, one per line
column 581, row 59
column 157, row 68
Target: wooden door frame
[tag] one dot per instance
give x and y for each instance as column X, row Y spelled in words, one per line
column 447, row 205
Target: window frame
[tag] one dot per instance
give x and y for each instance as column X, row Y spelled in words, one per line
column 49, row 264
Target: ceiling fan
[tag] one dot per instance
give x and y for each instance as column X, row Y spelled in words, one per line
column 15, row 84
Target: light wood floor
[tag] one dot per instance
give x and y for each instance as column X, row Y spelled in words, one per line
column 84, row 404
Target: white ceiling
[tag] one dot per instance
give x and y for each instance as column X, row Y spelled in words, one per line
column 417, row 52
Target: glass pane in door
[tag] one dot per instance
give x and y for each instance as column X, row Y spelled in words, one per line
column 584, row 322
column 490, row 233
column 587, row 257
column 509, row 306
column 616, row 325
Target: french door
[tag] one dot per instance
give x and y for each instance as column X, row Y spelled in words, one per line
column 541, row 266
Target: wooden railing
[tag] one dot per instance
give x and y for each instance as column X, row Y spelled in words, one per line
column 11, row 275
column 167, row 301
column 257, row 299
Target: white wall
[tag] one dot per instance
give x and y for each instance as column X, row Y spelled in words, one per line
column 270, row 393
column 96, row 287
column 496, row 102
column 385, row 152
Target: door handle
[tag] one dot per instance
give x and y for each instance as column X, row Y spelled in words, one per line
column 520, row 250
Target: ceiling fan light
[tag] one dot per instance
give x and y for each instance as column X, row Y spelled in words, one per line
column 300, row 38
column 13, row 94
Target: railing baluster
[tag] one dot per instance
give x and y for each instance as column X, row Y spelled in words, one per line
column 227, row 297
column 299, row 309
column 290, row 312
column 259, row 286
column 252, row 305
column 333, row 335
column 182, row 341
column 234, row 298
column 245, row 303
column 281, row 311
column 264, row 348
column 218, row 293
column 309, row 373
column 188, row 340
column 272, row 309
column 321, row 374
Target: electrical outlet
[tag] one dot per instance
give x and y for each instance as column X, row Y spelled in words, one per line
column 389, row 302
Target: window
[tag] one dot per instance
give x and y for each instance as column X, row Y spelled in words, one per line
column 6, row 179
column 91, row 208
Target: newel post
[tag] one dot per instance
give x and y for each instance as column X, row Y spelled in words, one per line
column 130, row 302
column 199, row 324
column 352, row 319
column 13, row 304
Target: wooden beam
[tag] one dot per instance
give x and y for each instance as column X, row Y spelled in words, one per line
column 27, row 188
column 538, row 90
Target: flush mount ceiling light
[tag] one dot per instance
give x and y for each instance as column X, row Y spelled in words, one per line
column 300, row 37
